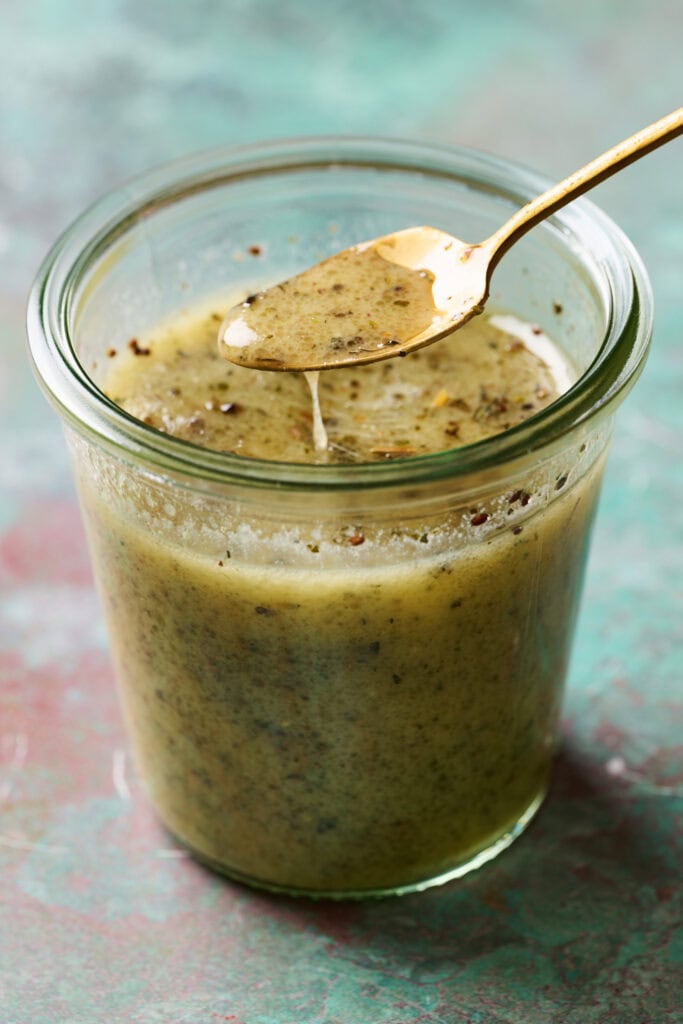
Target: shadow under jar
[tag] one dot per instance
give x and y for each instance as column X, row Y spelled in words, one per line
column 309, row 714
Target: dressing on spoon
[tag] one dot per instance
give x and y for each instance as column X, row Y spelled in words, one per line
column 392, row 295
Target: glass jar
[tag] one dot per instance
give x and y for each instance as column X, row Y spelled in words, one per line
column 309, row 714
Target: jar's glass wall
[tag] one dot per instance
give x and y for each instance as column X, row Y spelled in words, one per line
column 338, row 680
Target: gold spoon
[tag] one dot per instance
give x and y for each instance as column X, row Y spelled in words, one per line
column 392, row 295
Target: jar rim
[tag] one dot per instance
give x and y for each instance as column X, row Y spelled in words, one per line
column 617, row 365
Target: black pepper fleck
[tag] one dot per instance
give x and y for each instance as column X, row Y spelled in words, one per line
column 137, row 349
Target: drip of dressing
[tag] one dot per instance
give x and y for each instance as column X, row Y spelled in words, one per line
column 319, row 431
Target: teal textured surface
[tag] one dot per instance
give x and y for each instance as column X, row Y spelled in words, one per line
column 102, row 918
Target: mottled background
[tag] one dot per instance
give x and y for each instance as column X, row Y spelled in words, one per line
column 101, row 918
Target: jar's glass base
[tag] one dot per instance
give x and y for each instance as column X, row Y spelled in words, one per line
column 456, row 871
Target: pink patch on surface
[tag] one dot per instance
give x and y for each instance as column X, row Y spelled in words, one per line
column 611, row 736
column 663, row 768
column 69, row 740
column 48, row 545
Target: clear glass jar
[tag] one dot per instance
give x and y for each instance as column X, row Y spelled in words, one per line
column 308, row 715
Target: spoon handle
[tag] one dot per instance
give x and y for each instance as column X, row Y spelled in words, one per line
column 581, row 181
